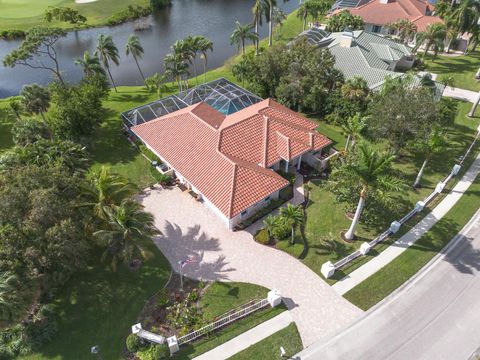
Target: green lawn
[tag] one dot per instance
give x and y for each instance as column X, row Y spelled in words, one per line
column 326, row 218
column 23, row 14
column 462, row 68
column 269, row 348
column 98, row 307
column 390, row 277
column 218, row 299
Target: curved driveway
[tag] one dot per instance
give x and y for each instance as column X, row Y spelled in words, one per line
column 190, row 229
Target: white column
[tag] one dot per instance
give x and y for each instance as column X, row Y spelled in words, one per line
column 286, row 166
column 299, row 162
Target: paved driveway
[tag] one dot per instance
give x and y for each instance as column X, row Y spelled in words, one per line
column 191, row 229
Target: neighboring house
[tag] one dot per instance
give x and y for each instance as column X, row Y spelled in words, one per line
column 379, row 14
column 227, row 157
column 360, row 53
column 347, row 4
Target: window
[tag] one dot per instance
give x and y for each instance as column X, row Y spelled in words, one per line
column 243, row 214
column 267, row 199
column 376, row 28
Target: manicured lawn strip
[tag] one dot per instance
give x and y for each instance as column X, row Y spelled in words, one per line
column 205, row 344
column 462, row 68
column 98, row 307
column 326, row 218
column 269, row 348
column 25, row 14
column 385, row 281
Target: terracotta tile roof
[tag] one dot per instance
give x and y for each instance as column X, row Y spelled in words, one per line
column 226, row 158
column 376, row 13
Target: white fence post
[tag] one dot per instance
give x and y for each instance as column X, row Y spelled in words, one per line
column 365, row 248
column 136, row 328
column 395, row 226
column 274, row 298
column 328, row 269
column 456, row 169
column 419, row 206
column 439, row 187
column 173, row 344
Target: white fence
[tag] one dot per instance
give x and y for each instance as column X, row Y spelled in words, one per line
column 329, row 268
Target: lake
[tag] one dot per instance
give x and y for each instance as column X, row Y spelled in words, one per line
column 214, row 19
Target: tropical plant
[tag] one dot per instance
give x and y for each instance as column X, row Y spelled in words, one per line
column 11, row 304
column 354, row 127
column 465, row 16
column 292, row 216
column 91, row 65
column 15, row 108
column 176, row 68
column 433, row 144
column 433, row 36
column 204, row 46
column 194, row 44
column 103, row 190
column 38, row 51
column 279, row 17
column 355, row 89
column 342, row 20
column 134, row 47
column 370, row 170
column 35, row 99
column 106, row 51
column 447, row 80
column 404, row 28
column 64, row 14
column 271, row 5
column 451, row 33
column 241, row 34
column 313, row 8
column 156, row 83
column 127, row 226
column 270, row 223
column 242, row 68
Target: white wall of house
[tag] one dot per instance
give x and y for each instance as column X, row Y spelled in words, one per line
column 252, row 210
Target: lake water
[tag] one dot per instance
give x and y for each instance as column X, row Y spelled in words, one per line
column 214, row 19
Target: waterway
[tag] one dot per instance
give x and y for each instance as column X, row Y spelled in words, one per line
column 214, row 19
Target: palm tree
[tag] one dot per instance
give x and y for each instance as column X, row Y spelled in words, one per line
column 175, row 68
column 270, row 223
column 434, row 36
column 35, row 99
column 11, row 305
column 104, row 189
column 134, row 47
column 184, row 51
column 127, row 227
column 369, row 169
column 258, row 10
column 433, row 144
column 405, row 29
column 292, row 216
column 451, row 33
column 355, row 88
column 466, row 15
column 91, row 65
column 107, row 51
column 354, row 127
column 303, row 12
column 195, row 44
column 204, row 46
column 242, row 33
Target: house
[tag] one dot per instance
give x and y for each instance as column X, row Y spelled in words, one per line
column 226, row 150
column 360, row 53
column 379, row 14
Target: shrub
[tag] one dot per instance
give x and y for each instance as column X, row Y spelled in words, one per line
column 28, row 131
column 262, row 237
column 128, row 14
column 282, row 231
column 261, row 213
column 160, row 352
column 12, row 34
column 133, row 343
column 162, row 298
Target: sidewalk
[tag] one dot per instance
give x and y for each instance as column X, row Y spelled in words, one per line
column 399, row 246
column 248, row 338
column 456, row 93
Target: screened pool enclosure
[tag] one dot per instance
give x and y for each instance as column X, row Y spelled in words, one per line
column 220, row 94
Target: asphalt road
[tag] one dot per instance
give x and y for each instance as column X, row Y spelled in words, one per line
column 435, row 316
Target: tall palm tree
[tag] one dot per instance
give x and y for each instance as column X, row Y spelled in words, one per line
column 204, row 46
column 466, row 15
column 104, row 189
column 176, row 68
column 354, row 127
column 304, row 11
column 194, row 43
column 107, row 51
column 292, row 216
column 271, row 4
column 91, row 64
column 433, row 36
column 184, row 51
column 35, row 99
column 270, row 223
column 259, row 10
column 11, row 305
column 127, row 227
column 242, row 33
column 370, row 169
column 134, row 47
column 432, row 145
column 451, row 32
